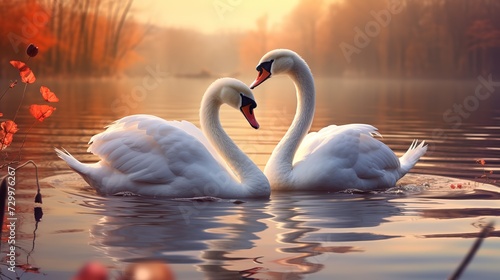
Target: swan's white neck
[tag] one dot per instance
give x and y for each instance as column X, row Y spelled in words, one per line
column 251, row 177
column 279, row 167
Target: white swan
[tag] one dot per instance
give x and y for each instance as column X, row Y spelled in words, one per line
column 149, row 156
column 334, row 158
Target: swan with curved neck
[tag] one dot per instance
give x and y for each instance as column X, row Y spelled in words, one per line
column 149, row 156
column 334, row 158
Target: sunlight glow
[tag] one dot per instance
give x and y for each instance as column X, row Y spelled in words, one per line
column 213, row 15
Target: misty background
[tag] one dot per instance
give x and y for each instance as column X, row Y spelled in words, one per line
column 350, row 38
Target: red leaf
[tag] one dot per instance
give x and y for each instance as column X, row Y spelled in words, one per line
column 41, row 112
column 8, row 128
column 1, row 114
column 25, row 72
column 5, row 140
column 48, row 95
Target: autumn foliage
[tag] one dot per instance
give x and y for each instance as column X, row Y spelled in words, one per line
column 9, row 128
column 24, row 22
column 89, row 37
column 48, row 95
column 41, row 112
column 25, row 72
column 383, row 38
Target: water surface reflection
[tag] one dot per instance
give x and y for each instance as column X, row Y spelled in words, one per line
column 287, row 237
column 291, row 236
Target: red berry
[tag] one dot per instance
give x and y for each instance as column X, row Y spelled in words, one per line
column 32, row 50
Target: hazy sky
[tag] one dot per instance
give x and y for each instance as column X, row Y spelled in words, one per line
column 212, row 15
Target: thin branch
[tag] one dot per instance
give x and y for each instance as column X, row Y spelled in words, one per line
column 36, row 171
column 3, row 94
column 20, row 103
column 482, row 235
column 24, row 140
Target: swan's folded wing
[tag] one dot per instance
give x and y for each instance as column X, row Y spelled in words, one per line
column 347, row 147
column 194, row 131
column 151, row 150
column 315, row 140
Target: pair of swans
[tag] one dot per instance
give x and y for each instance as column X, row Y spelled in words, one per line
column 149, row 156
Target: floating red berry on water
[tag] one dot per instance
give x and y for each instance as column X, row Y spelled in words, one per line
column 32, row 50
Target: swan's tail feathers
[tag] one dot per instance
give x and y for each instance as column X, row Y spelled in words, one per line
column 71, row 161
column 410, row 158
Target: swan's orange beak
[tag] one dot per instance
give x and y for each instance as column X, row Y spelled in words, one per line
column 247, row 111
column 263, row 75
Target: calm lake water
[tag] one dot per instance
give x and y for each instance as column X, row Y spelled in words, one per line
column 421, row 230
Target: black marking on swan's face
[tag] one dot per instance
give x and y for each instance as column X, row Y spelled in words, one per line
column 264, row 70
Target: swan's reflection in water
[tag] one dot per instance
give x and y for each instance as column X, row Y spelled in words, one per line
column 282, row 238
column 319, row 226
